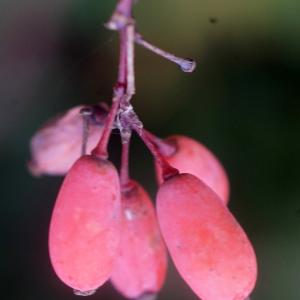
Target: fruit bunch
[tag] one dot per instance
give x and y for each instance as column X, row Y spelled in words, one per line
column 104, row 225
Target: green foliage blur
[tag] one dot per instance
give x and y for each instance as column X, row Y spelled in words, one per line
column 242, row 102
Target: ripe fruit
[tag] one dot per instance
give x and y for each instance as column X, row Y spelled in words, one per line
column 85, row 226
column 141, row 265
column 192, row 157
column 209, row 248
column 57, row 145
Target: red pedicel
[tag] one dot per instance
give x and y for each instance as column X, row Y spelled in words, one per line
column 194, row 158
column 141, row 266
column 85, row 226
column 209, row 248
column 57, row 145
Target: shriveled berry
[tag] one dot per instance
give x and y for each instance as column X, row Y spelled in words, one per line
column 192, row 157
column 85, row 225
column 140, row 268
column 57, row 145
column 209, row 248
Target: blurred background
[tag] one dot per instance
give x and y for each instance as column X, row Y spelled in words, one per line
column 242, row 102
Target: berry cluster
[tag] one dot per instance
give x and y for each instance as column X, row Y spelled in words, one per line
column 104, row 225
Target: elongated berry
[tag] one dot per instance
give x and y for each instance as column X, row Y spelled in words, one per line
column 141, row 265
column 57, row 145
column 209, row 248
column 85, row 225
column 194, row 158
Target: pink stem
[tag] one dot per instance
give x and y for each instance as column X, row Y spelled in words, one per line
column 124, row 7
column 165, row 148
column 124, row 171
column 167, row 170
column 101, row 148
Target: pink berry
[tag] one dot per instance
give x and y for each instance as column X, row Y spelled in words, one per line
column 57, row 145
column 85, row 226
column 194, row 158
column 209, row 248
column 141, row 265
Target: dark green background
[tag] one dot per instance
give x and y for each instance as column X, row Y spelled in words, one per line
column 242, row 102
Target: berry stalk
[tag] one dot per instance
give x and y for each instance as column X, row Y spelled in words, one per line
column 124, row 170
column 167, row 170
column 124, row 89
column 165, row 148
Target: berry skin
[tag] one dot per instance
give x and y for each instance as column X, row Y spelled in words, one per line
column 194, row 158
column 85, row 225
column 141, row 265
column 57, row 145
column 209, row 248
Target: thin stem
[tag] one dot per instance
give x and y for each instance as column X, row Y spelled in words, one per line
column 122, row 90
column 124, row 171
column 186, row 64
column 125, row 7
column 122, row 59
column 130, row 31
column 86, row 113
column 101, row 148
column 164, row 147
column 167, row 170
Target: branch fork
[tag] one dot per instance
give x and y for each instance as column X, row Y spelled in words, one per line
column 121, row 114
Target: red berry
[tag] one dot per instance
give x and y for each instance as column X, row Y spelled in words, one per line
column 85, row 226
column 192, row 157
column 57, row 145
column 209, row 248
column 141, row 265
